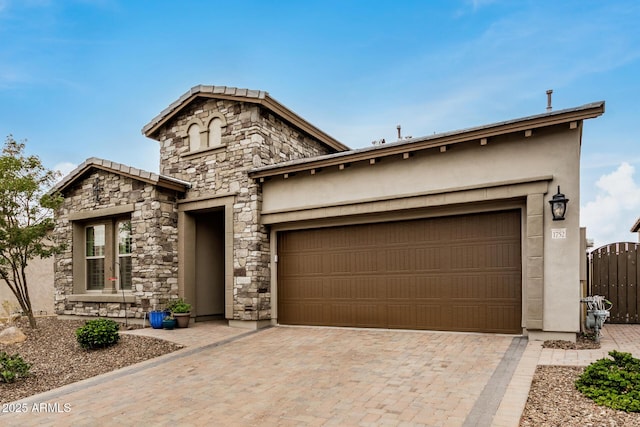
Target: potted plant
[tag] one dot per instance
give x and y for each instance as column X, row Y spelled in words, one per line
column 169, row 322
column 181, row 310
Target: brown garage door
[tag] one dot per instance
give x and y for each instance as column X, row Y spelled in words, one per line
column 458, row 273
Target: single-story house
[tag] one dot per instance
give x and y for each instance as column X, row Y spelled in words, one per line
column 636, row 228
column 259, row 217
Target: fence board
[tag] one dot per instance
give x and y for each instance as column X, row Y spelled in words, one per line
column 632, row 275
column 623, row 284
column 612, row 283
column 616, row 275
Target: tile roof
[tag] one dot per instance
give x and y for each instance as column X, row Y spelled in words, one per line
column 120, row 169
column 246, row 95
column 203, row 89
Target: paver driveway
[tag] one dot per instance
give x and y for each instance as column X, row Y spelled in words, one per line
column 288, row 376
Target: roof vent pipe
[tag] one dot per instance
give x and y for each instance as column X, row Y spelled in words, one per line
column 399, row 132
column 549, row 92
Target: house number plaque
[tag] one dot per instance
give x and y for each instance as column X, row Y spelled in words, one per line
column 558, row 233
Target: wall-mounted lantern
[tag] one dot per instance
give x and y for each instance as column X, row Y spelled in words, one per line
column 558, row 206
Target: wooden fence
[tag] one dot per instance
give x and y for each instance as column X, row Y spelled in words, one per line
column 615, row 273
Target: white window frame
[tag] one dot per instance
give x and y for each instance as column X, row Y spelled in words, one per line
column 88, row 257
column 119, row 256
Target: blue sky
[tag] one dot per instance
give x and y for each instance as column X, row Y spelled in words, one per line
column 80, row 78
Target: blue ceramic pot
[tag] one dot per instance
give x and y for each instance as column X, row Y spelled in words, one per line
column 155, row 318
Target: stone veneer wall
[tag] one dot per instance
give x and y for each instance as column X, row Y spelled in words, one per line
column 154, row 243
column 253, row 137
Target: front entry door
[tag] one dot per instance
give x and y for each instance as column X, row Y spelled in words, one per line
column 209, row 274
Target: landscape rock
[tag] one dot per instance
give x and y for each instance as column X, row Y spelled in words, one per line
column 12, row 335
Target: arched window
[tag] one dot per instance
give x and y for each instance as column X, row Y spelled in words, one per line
column 215, row 132
column 194, row 137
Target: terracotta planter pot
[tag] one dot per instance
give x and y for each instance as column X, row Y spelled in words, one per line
column 182, row 319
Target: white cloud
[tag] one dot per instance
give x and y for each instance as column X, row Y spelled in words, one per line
column 610, row 216
column 64, row 168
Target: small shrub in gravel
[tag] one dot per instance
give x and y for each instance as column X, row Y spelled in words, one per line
column 98, row 333
column 613, row 383
column 12, row 367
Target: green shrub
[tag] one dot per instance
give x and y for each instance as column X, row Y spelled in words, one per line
column 613, row 383
column 98, row 333
column 179, row 306
column 12, row 367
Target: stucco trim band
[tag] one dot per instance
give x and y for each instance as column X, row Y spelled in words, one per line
column 469, row 194
column 105, row 212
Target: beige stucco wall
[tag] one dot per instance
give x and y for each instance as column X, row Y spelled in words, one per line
column 471, row 176
column 40, row 284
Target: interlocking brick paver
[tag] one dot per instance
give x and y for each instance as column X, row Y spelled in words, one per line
column 288, row 375
column 291, row 376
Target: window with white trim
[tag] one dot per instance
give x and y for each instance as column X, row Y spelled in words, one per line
column 124, row 254
column 108, row 255
column 94, row 255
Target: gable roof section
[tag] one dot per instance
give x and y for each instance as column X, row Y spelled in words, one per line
column 119, row 169
column 245, row 95
column 636, row 226
column 481, row 134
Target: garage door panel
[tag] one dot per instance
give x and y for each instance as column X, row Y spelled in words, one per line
column 342, row 314
column 306, row 264
column 359, row 314
column 483, row 255
column 402, row 316
column 468, row 317
column 431, row 316
column 430, row 286
column 305, row 313
column 413, row 258
column 304, row 288
column 371, row 288
column 453, row 273
column 498, row 314
column 368, row 315
column 400, row 287
column 501, row 288
column 339, row 288
column 399, row 259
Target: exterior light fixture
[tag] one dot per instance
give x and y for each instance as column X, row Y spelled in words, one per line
column 558, row 206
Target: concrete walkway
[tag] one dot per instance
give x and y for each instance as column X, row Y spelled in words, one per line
column 293, row 376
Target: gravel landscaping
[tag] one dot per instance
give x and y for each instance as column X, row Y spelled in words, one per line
column 57, row 359
column 554, row 401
